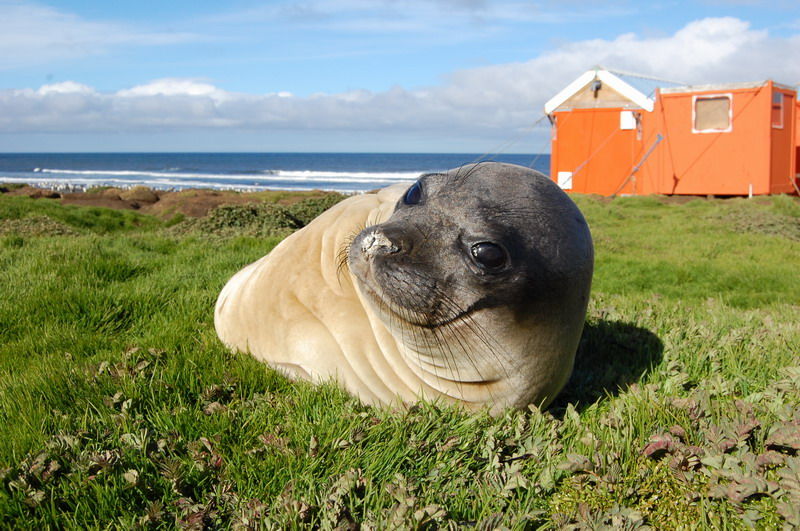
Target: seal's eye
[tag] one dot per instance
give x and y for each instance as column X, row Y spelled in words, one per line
column 489, row 255
column 413, row 195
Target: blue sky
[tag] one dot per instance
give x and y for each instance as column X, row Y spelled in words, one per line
column 350, row 75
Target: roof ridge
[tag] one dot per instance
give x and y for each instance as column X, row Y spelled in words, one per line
column 618, row 84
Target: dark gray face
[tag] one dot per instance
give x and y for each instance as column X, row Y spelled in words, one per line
column 478, row 237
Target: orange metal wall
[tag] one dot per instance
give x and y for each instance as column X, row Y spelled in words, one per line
column 712, row 163
column 797, row 141
column 590, row 143
column 783, row 147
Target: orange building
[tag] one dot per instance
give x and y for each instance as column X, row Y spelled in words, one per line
column 611, row 136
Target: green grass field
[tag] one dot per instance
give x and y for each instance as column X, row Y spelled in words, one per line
column 119, row 407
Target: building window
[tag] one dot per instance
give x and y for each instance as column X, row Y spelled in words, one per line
column 777, row 110
column 712, row 114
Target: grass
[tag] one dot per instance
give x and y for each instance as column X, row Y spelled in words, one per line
column 120, row 408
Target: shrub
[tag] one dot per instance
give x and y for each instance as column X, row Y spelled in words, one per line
column 266, row 219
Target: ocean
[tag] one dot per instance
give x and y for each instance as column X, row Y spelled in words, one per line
column 342, row 172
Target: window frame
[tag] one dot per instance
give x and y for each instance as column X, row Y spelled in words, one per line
column 773, row 106
column 696, row 97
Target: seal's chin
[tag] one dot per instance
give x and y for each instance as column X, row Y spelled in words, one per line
column 447, row 352
column 396, row 313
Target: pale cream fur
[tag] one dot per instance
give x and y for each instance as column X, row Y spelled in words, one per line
column 296, row 310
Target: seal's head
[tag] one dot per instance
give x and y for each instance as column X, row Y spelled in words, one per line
column 482, row 276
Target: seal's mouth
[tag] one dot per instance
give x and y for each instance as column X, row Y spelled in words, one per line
column 455, row 371
column 445, row 341
column 410, row 316
column 404, row 296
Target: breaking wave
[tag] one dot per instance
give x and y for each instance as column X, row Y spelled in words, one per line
column 178, row 178
column 261, row 175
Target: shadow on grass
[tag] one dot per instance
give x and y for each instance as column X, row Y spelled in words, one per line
column 611, row 356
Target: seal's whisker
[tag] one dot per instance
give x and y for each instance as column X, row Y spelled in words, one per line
column 470, row 169
column 400, row 322
column 434, row 344
column 449, row 356
column 418, row 332
column 493, row 347
column 453, row 309
column 426, row 338
column 343, row 254
column 425, row 235
column 442, row 342
column 475, row 329
column 371, row 221
column 462, row 338
column 457, row 175
column 395, row 323
column 474, row 168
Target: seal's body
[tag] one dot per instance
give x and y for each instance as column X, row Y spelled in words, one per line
column 470, row 287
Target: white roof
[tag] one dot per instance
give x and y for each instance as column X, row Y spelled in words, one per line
column 606, row 77
column 722, row 86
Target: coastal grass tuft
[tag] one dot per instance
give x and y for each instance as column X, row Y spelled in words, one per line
column 120, row 408
column 263, row 219
column 88, row 219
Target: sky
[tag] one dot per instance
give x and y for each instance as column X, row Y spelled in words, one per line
column 351, row 75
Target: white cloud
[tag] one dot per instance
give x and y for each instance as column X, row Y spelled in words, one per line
column 711, row 50
column 175, row 87
column 490, row 102
column 32, row 33
column 65, row 87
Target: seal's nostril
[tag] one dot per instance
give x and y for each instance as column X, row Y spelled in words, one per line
column 377, row 243
column 367, row 242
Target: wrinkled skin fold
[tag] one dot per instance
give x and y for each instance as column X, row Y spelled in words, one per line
column 468, row 287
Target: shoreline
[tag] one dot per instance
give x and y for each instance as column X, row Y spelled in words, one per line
column 241, row 172
column 162, row 203
column 72, row 188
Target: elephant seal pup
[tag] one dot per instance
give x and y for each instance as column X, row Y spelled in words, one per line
column 467, row 287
